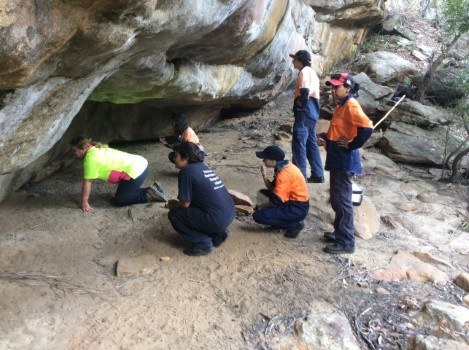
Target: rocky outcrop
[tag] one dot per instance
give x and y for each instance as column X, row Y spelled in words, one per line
column 140, row 60
column 386, row 67
column 413, row 145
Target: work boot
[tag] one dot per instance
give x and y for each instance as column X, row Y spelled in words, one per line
column 338, row 249
column 218, row 239
column 156, row 193
column 293, row 233
column 197, row 250
column 317, row 180
column 329, row 236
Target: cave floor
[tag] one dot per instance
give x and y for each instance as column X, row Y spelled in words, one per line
column 58, row 283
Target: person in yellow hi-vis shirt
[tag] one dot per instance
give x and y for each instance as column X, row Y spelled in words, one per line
column 117, row 167
column 348, row 131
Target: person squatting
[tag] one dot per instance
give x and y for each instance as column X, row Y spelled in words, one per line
column 204, row 209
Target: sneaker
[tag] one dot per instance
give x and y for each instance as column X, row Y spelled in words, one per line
column 156, row 193
column 218, row 239
column 293, row 233
column 329, row 236
column 337, row 249
column 317, row 180
column 196, row 250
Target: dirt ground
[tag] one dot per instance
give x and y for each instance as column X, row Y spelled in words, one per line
column 58, row 283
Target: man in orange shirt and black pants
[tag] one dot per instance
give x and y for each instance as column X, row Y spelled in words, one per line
column 288, row 194
column 348, row 131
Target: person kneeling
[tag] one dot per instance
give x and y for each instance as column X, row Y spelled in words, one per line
column 288, row 194
column 204, row 208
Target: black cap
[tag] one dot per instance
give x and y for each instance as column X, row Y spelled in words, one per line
column 271, row 152
column 302, row 56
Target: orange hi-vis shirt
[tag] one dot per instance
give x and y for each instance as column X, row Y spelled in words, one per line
column 307, row 78
column 346, row 119
column 189, row 136
column 290, row 184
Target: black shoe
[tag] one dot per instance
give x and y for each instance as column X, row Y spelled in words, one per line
column 316, row 180
column 220, row 238
column 337, row 249
column 329, row 236
column 293, row 233
column 197, row 251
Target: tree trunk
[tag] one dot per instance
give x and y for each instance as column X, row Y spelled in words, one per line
column 433, row 67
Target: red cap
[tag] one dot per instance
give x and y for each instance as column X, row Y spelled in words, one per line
column 341, row 79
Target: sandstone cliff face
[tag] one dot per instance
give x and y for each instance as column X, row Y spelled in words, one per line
column 134, row 61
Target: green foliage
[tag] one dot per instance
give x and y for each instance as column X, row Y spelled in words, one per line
column 373, row 43
column 411, row 47
column 456, row 16
column 408, row 79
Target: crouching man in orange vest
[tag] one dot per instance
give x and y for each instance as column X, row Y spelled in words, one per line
column 288, row 194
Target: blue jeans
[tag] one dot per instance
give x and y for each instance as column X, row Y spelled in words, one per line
column 285, row 216
column 198, row 227
column 129, row 192
column 304, row 145
column 341, row 202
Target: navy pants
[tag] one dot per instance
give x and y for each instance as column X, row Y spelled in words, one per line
column 197, row 226
column 129, row 192
column 341, row 202
column 304, row 145
column 284, row 216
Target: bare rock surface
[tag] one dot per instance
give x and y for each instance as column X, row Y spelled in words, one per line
column 136, row 266
column 145, row 58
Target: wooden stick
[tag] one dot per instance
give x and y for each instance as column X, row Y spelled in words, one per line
column 386, row 115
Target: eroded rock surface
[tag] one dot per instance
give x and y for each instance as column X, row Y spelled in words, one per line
column 196, row 56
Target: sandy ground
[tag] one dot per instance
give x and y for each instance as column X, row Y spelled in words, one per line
column 59, row 289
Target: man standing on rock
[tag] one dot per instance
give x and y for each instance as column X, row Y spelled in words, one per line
column 306, row 111
column 348, row 131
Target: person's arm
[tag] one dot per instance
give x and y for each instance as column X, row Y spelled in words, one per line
column 85, row 195
column 174, row 203
column 363, row 134
column 304, row 96
column 268, row 184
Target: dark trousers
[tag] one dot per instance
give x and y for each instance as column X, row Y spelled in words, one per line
column 284, row 216
column 341, row 202
column 198, row 227
column 129, row 192
column 305, row 147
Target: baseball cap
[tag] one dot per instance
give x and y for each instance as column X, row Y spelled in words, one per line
column 301, row 55
column 271, row 152
column 341, row 79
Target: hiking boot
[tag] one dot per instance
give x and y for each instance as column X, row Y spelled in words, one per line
column 218, row 239
column 293, row 233
column 155, row 193
column 316, row 180
column 196, row 250
column 337, row 249
column 329, row 236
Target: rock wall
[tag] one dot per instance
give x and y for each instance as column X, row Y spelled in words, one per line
column 135, row 61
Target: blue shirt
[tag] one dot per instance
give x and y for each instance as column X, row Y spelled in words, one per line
column 203, row 188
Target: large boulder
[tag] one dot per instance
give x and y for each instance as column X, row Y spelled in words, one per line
column 410, row 144
column 386, row 67
column 138, row 61
column 415, row 113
